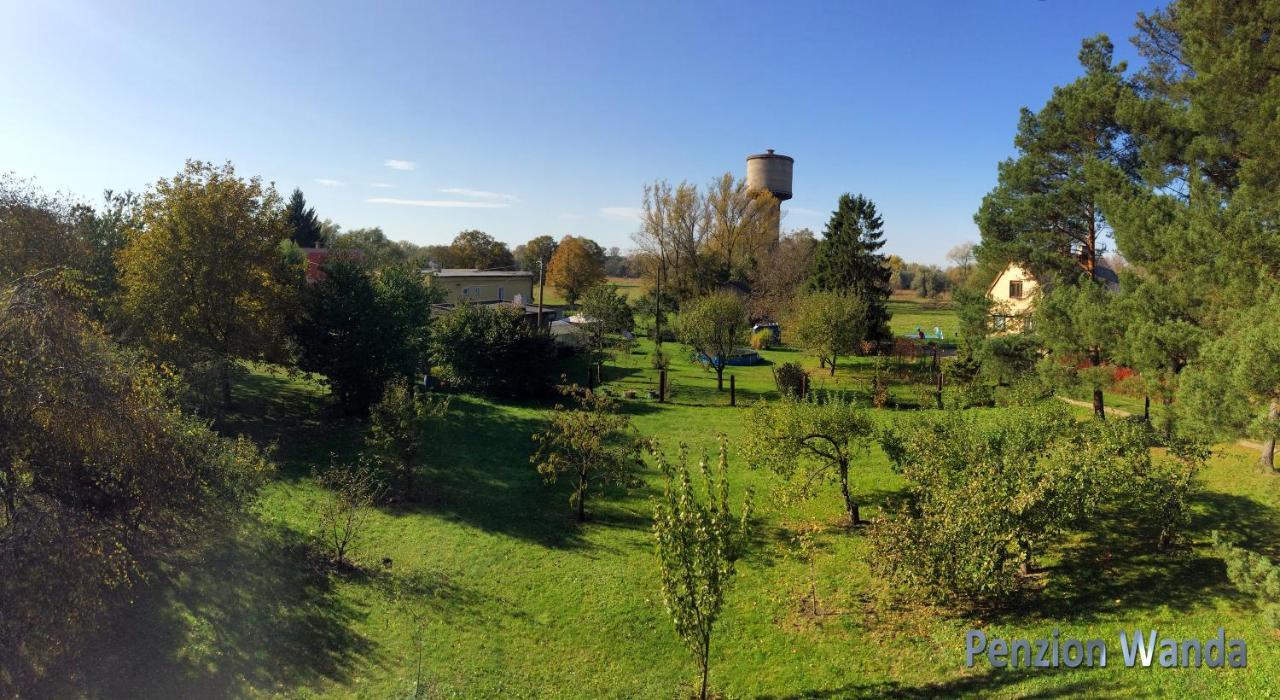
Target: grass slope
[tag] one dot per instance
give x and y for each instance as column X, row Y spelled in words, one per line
column 495, row 592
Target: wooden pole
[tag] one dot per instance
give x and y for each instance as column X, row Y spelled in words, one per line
column 662, row 385
column 938, row 395
column 733, row 392
column 541, row 291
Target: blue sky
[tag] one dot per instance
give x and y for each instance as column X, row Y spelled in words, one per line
column 528, row 118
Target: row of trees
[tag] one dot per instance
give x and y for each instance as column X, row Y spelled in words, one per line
column 694, row 241
column 1173, row 164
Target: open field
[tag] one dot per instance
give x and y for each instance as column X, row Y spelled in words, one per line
column 493, row 592
column 630, row 286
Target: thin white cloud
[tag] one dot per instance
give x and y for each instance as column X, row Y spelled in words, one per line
column 480, row 194
column 801, row 211
column 400, row 164
column 570, row 217
column 381, row 185
column 329, row 183
column 438, row 203
column 620, row 212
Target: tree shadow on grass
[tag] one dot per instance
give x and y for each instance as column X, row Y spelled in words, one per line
column 255, row 612
column 1116, row 569
column 296, row 416
column 976, row 685
column 479, row 473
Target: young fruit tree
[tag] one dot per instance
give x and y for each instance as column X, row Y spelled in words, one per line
column 345, row 511
column 808, row 441
column 399, row 427
column 714, row 326
column 830, row 324
column 697, row 547
column 591, row 442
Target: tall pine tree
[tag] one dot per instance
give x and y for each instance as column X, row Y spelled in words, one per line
column 304, row 226
column 847, row 259
column 1045, row 210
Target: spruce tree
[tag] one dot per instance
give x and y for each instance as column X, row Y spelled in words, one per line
column 304, row 226
column 848, row 259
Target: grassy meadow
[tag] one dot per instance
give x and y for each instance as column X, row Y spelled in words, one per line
column 487, row 588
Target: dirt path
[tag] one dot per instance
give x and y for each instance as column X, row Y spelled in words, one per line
column 1121, row 412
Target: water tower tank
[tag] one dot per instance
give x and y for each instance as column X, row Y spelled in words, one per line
column 770, row 171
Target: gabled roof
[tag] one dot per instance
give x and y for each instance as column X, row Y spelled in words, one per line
column 1101, row 272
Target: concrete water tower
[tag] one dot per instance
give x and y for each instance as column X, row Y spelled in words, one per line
column 771, row 172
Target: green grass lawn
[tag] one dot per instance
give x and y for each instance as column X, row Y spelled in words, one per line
column 495, row 592
column 632, row 287
column 910, row 312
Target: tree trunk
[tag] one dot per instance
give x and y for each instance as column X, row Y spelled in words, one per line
column 833, row 365
column 1098, row 408
column 1268, row 459
column 854, row 516
column 720, row 375
column 706, row 664
column 1146, row 407
column 582, row 498
column 657, row 304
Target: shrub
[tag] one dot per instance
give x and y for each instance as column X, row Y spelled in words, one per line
column 492, row 349
column 346, row 510
column 879, row 384
column 790, row 378
column 986, row 497
column 971, row 395
column 102, row 476
column 1026, row 390
column 762, row 339
column 1254, row 575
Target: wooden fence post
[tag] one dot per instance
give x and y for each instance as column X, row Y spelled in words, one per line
column 733, row 392
column 939, row 392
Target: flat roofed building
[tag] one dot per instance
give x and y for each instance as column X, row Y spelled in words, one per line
column 482, row 286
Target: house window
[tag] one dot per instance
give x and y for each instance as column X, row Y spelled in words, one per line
column 501, row 294
column 1015, row 289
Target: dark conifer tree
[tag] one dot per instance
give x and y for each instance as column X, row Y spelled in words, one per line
column 304, row 226
column 848, row 259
